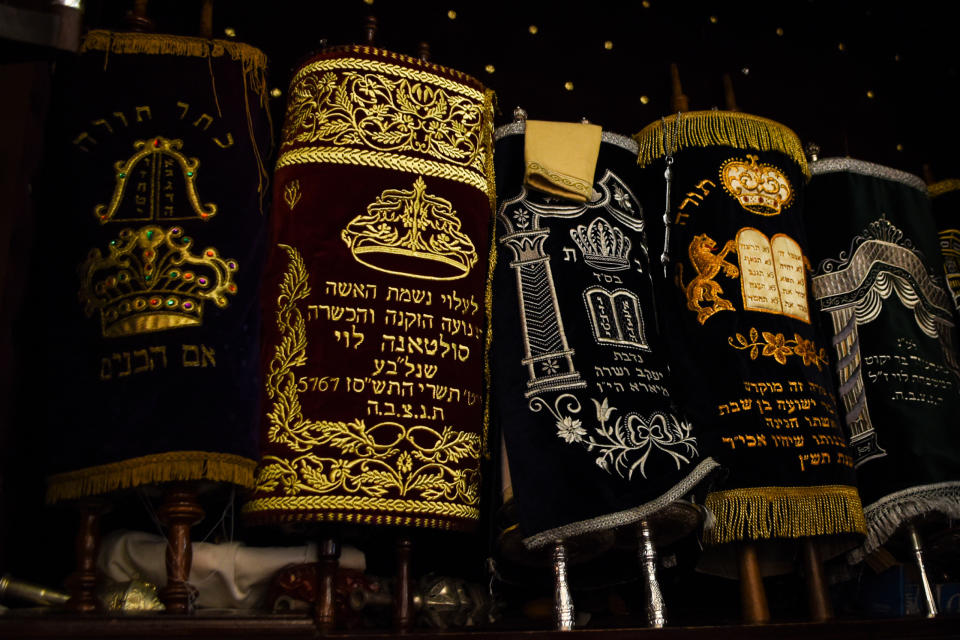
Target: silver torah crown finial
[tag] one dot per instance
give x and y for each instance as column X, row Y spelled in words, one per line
column 519, row 114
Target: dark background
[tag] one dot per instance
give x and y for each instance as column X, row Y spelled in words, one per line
column 806, row 63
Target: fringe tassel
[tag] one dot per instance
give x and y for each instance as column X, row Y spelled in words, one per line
column 944, row 186
column 489, row 99
column 784, row 512
column 163, row 44
column 885, row 516
column 163, row 467
column 721, row 128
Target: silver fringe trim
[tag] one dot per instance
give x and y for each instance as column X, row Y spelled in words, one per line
column 887, row 514
column 836, row 165
column 621, row 518
column 518, row 128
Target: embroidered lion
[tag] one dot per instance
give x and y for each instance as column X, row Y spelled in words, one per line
column 703, row 288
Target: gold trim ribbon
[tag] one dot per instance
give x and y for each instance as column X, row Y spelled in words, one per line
column 720, row 128
column 784, row 512
column 944, row 186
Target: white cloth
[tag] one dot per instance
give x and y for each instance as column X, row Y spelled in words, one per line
column 227, row 576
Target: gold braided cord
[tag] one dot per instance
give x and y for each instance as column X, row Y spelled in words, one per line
column 720, row 128
column 784, row 512
column 377, row 66
column 382, row 160
column 318, row 504
column 944, row 186
column 163, row 44
column 266, row 516
column 161, row 467
column 488, row 108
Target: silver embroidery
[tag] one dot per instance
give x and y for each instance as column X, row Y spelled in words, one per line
column 603, row 246
column 836, row 165
column 519, row 128
column 625, row 444
column 852, row 290
column 615, row 317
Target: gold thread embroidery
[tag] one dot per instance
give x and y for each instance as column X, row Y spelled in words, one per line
column 944, row 186
column 784, row 512
column 406, row 229
column 386, row 114
column 702, row 287
column 151, row 151
column 536, row 169
column 759, row 188
column 376, row 66
column 150, row 281
column 699, row 129
column 779, row 348
column 378, row 464
column 772, row 276
column 292, row 194
column 161, row 467
column 382, row 160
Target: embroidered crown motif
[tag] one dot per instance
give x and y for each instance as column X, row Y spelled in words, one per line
column 411, row 233
column 603, row 245
column 146, row 188
column 760, row 188
column 151, row 281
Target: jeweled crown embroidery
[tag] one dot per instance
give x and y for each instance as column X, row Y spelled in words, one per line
column 604, row 246
column 150, row 280
column 760, row 188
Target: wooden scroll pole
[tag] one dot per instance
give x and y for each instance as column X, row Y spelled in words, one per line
column 653, row 597
column 917, row 547
column 82, row 582
column 327, row 563
column 563, row 611
column 179, row 511
column 679, row 99
column 423, row 51
column 137, row 19
column 729, row 99
column 206, row 19
column 370, row 31
column 403, row 592
column 817, row 594
column 753, row 597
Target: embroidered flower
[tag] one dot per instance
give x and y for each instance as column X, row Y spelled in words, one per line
column 570, row 430
column 622, row 199
column 776, row 346
column 522, row 218
column 550, row 367
column 404, row 463
column 806, row 350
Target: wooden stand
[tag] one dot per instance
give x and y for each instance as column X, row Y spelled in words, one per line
column 82, row 582
column 753, row 597
column 403, row 593
column 817, row 594
column 179, row 511
column 328, row 561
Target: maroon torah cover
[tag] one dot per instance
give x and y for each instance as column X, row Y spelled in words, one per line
column 375, row 296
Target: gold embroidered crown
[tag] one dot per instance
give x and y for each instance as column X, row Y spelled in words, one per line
column 760, row 188
column 603, row 245
column 151, row 281
column 411, row 233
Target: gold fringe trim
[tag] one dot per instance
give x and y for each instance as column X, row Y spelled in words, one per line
column 784, row 512
column 944, row 186
column 489, row 98
column 724, row 129
column 170, row 45
column 161, row 467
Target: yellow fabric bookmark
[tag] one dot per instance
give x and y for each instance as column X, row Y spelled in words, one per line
column 561, row 157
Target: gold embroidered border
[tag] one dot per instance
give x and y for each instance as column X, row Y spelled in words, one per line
column 784, row 512
column 382, row 160
column 267, row 512
column 721, row 128
column 376, row 66
column 361, row 503
column 163, row 44
column 944, row 186
column 161, row 467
